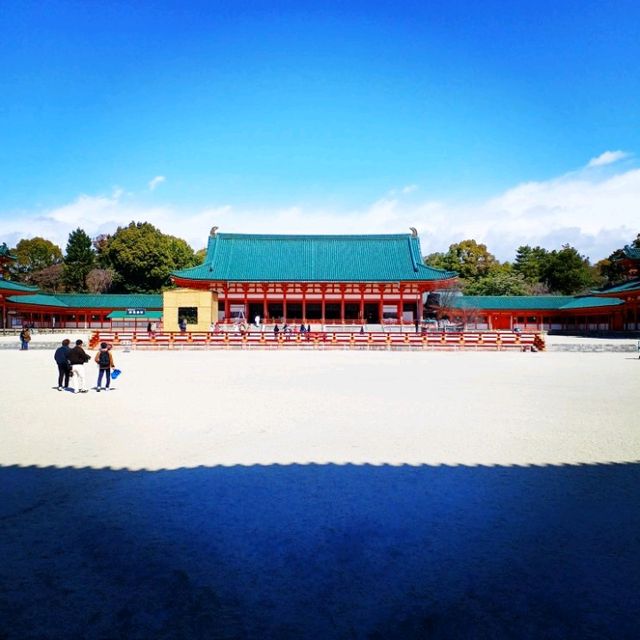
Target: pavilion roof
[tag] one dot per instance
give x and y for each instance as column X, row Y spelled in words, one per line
column 539, row 303
column 38, row 300
column 92, row 300
column 9, row 285
column 6, row 253
column 630, row 285
column 236, row 257
column 631, row 252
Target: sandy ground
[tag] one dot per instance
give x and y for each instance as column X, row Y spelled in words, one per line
column 322, row 495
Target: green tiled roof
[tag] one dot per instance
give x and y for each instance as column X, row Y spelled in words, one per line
column 92, row 301
column 529, row 303
column 235, row 257
column 8, row 285
column 588, row 302
column 631, row 285
column 111, row 300
column 511, row 302
column 632, row 252
column 5, row 253
column 39, row 299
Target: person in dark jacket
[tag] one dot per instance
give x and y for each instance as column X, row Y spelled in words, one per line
column 104, row 360
column 25, row 338
column 77, row 358
column 61, row 356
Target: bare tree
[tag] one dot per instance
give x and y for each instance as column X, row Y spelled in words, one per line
column 450, row 304
column 99, row 280
column 49, row 279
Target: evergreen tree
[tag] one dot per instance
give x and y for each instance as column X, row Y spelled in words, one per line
column 502, row 283
column 143, row 257
column 567, row 272
column 79, row 260
column 530, row 262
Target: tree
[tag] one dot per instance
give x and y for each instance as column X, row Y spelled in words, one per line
column 200, row 255
column 530, row 262
column 181, row 253
column 78, row 261
column 33, row 255
column 100, row 244
column 143, row 257
column 50, row 278
column 435, row 260
column 470, row 259
column 502, row 283
column 100, row 280
column 567, row 272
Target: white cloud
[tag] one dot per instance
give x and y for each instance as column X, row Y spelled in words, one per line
column 594, row 213
column 608, row 157
column 406, row 190
column 155, row 182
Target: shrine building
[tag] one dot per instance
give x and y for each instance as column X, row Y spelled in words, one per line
column 337, row 279
column 320, row 280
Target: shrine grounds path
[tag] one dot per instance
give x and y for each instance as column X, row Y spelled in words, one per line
column 322, row 494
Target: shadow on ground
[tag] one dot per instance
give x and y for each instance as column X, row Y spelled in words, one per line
column 320, row 551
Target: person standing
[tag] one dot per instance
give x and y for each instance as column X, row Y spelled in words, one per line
column 61, row 356
column 78, row 358
column 104, row 359
column 183, row 325
column 25, row 338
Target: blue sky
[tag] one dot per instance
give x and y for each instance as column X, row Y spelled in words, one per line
column 323, row 117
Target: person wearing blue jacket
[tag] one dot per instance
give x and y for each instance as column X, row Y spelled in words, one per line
column 61, row 357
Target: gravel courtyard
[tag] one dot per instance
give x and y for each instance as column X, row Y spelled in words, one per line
column 322, row 495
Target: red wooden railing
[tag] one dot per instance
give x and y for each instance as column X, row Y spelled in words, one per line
column 440, row 340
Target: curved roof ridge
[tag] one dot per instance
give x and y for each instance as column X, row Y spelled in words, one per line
column 11, row 285
column 313, row 236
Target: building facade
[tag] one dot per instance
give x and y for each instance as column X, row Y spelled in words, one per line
column 326, row 280
column 363, row 279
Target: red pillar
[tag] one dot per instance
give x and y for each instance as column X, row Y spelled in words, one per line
column 323, row 290
column 381, row 304
column 342, row 293
column 304, row 303
column 284, row 303
column 227, row 306
column 265, row 308
column 401, row 310
column 245, row 291
column 362, row 289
